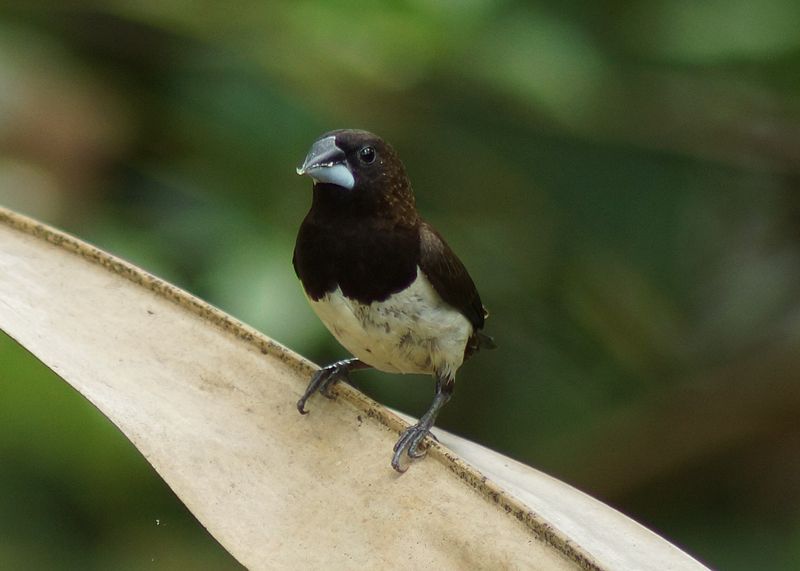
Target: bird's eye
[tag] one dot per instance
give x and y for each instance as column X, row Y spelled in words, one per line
column 367, row 155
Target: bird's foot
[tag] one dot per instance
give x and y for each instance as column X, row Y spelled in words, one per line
column 322, row 381
column 409, row 443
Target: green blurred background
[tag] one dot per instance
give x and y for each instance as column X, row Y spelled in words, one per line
column 621, row 178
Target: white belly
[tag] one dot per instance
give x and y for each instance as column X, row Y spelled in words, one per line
column 413, row 331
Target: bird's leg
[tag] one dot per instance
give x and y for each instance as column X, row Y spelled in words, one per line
column 413, row 436
column 327, row 376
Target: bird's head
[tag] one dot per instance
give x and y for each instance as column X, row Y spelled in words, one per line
column 354, row 160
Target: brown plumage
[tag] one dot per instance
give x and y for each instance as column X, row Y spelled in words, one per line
column 382, row 280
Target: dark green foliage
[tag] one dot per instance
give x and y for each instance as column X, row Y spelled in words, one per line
column 620, row 178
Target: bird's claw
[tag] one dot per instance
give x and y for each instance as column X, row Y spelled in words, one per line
column 325, row 390
column 301, row 405
column 408, row 443
column 321, row 382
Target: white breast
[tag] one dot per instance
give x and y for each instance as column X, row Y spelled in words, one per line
column 413, row 331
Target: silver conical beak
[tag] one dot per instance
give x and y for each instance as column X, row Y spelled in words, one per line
column 325, row 162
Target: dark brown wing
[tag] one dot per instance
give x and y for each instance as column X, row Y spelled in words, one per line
column 448, row 276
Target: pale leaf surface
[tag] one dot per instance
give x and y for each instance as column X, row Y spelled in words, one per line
column 211, row 404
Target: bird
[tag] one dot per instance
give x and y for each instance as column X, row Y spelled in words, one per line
column 381, row 279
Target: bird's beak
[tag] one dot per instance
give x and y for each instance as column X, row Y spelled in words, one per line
column 326, row 162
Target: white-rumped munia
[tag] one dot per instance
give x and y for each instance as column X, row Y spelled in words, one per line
column 380, row 278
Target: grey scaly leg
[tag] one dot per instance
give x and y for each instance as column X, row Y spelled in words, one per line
column 413, row 436
column 327, row 376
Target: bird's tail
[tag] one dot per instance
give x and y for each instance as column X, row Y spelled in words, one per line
column 477, row 342
column 486, row 341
